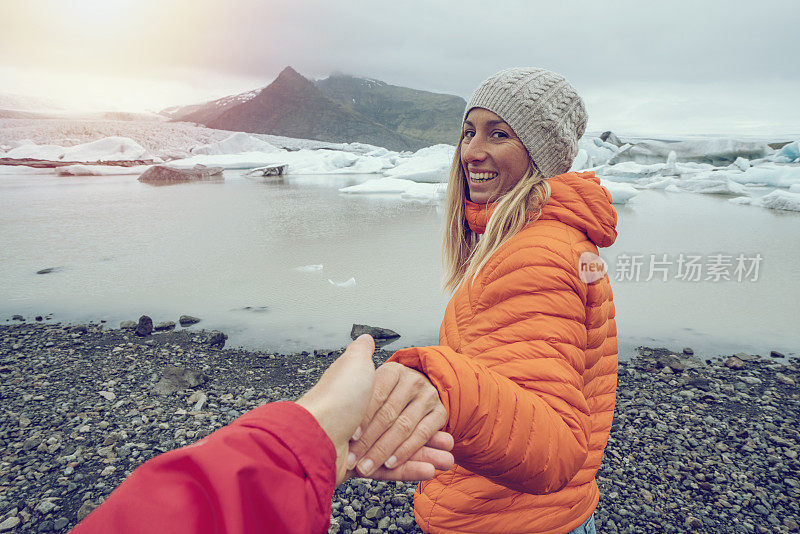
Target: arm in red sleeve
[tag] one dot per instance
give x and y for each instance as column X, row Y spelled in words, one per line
column 271, row 470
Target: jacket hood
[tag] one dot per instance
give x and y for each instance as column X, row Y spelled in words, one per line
column 577, row 199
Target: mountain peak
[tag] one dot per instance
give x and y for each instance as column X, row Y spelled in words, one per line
column 289, row 73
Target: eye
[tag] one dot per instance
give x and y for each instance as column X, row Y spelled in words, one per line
column 468, row 134
column 499, row 134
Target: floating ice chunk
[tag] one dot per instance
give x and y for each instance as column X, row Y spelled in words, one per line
column 790, row 151
column 235, row 144
column 620, row 193
column 23, row 169
column 21, row 142
column 308, row 268
column 773, row 174
column 365, row 165
column 629, row 171
column 720, row 151
column 379, row 186
column 424, row 192
column 672, row 163
column 714, row 183
column 99, row 170
column 246, row 160
column 598, row 151
column 34, row 151
column 776, row 200
column 582, row 161
column 429, row 165
column 347, row 283
column 741, row 163
column 107, row 149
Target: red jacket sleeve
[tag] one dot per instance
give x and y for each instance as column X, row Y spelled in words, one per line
column 271, row 470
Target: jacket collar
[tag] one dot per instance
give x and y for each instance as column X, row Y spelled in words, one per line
column 577, row 200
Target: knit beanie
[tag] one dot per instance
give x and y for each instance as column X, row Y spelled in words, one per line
column 543, row 109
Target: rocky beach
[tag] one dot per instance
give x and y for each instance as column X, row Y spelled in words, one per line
column 698, row 444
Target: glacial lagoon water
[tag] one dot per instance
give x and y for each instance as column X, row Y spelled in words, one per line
column 229, row 252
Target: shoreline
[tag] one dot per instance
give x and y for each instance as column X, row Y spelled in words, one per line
column 694, row 446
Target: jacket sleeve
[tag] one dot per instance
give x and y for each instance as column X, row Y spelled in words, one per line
column 271, row 470
column 515, row 404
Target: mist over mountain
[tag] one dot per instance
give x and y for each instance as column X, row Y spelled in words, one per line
column 339, row 108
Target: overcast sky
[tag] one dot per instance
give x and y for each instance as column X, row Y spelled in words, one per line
column 679, row 67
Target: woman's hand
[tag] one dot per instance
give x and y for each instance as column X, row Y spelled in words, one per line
column 403, row 415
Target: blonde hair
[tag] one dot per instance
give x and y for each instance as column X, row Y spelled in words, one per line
column 464, row 254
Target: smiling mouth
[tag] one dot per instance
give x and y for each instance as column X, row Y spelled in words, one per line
column 482, row 176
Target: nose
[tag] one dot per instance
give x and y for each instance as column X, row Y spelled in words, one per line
column 473, row 151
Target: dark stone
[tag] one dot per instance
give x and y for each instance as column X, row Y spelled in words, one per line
column 776, row 354
column 610, row 137
column 688, row 351
column 377, row 333
column 188, row 320
column 47, row 270
column 734, row 363
column 161, row 174
column 80, row 329
column 17, row 318
column 178, row 378
column 217, row 339
column 165, row 325
column 39, row 318
column 700, row 383
column 145, row 326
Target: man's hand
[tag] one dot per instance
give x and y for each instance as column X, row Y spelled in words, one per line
column 339, row 402
column 404, row 414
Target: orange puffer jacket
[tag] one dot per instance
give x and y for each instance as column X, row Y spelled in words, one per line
column 527, row 369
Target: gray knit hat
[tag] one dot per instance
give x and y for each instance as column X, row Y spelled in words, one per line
column 543, row 109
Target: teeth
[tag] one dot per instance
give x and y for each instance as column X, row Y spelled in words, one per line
column 482, row 176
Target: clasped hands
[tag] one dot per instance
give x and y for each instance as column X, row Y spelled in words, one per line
column 383, row 423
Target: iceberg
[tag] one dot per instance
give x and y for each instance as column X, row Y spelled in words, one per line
column 428, row 165
column 304, row 161
column 407, row 189
column 598, row 152
column 776, row 200
column 106, row 149
column 630, row 171
column 392, row 186
column 235, row 144
column 772, row 174
column 99, row 170
column 308, row 268
column 347, row 283
column 620, row 193
column 790, row 151
column 721, row 151
column 582, row 161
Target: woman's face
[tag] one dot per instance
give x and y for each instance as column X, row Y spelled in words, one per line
column 492, row 156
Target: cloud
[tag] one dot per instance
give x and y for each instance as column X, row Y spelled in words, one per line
column 601, row 47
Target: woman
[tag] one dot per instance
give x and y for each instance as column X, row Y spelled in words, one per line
column 527, row 361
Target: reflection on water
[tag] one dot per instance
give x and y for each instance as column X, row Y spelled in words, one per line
column 229, row 252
